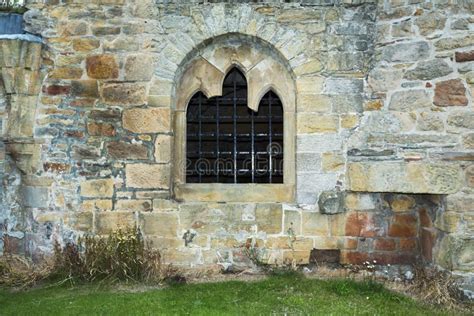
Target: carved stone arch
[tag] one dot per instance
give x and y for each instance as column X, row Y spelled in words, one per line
column 264, row 69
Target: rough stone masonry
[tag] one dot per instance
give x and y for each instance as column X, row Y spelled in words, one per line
column 384, row 132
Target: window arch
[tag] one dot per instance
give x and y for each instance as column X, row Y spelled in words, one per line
column 227, row 142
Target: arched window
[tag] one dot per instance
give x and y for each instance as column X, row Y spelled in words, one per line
column 227, row 142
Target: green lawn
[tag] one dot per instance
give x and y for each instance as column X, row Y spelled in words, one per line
column 277, row 295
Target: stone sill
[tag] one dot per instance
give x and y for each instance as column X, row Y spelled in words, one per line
column 245, row 192
column 21, row 37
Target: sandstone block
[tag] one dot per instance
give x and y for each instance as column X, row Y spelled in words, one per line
column 403, row 225
column 133, row 205
column 97, row 188
column 428, row 121
column 297, row 257
column 450, row 93
column 36, row 197
column 100, row 129
column 383, row 79
column 147, row 176
column 268, row 217
column 105, row 30
column 308, row 162
column 84, row 88
column 66, row 73
column 454, row 42
column 411, row 177
column 102, row 67
column 147, row 120
column 124, row 94
column 461, row 119
column 292, row 223
column 385, row 244
column 96, row 205
column 430, row 22
column 163, row 148
column 315, row 224
column 314, row 103
column 401, row 203
column 126, row 151
column 107, row 222
column 139, row 67
column 308, row 123
column 85, row 44
column 464, row 56
column 360, row 201
column 333, row 161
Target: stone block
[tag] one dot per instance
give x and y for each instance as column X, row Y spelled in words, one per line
column 35, row 197
column 108, row 222
column 360, row 201
column 292, row 223
column 315, row 224
column 309, row 123
column 66, row 73
column 85, row 44
column 384, row 79
column 409, row 100
column 100, row 129
column 402, row 177
column 406, row 52
column 331, row 202
column 159, row 224
column 400, row 202
column 461, row 119
column 428, row 70
column 102, row 67
column 343, row 86
column 147, row 120
column 430, row 22
column 127, row 151
column 147, row 176
column 123, row 94
column 315, row 182
column 448, row 43
column 464, row 56
column 96, row 205
column 162, row 205
column 318, row 143
column 385, row 244
column 134, row 205
column 97, row 188
column 297, row 257
column 403, row 225
column 163, row 148
column 332, row 162
column 365, row 224
column 308, row 162
column 84, row 88
column 139, row 67
column 314, row 103
column 82, row 221
column 450, row 93
column 268, row 217
column 309, row 85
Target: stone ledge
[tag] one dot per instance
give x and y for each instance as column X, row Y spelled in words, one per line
column 401, row 177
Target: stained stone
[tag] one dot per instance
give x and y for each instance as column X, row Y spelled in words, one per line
column 124, row 94
column 406, row 52
column 123, row 150
column 409, row 100
column 450, row 93
column 102, row 67
column 429, row 69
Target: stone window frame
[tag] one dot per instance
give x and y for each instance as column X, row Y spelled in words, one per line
column 264, row 71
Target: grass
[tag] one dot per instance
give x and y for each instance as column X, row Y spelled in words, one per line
column 276, row 295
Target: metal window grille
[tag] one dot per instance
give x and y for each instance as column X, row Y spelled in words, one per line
column 227, row 142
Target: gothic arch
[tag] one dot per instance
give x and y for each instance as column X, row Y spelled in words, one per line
column 204, row 69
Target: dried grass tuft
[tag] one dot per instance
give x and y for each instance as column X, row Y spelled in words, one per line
column 20, row 272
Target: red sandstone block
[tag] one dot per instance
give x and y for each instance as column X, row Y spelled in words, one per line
column 384, row 258
column 385, row 244
column 403, row 225
column 425, row 218
column 427, row 241
column 56, row 89
column 350, row 243
column 363, row 224
column 407, row 243
column 464, row 56
column 353, row 257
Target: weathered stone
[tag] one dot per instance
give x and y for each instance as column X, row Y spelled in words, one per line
column 429, row 69
column 147, row 120
column 163, row 148
column 460, row 24
column 409, row 100
column 463, row 119
column 384, row 79
column 314, row 103
column 268, row 218
column 35, row 196
column 403, row 225
column 454, row 42
column 147, row 176
column 139, row 67
column 428, row 121
column 66, row 73
column 160, row 224
column 402, row 29
column 464, row 56
column 309, row 123
column 359, row 201
column 343, row 86
column 133, row 205
column 84, row 88
column 107, row 222
column 96, row 205
column 102, row 67
column 406, row 52
column 400, row 202
column 109, row 114
column 315, row 224
column 468, row 141
column 100, row 129
column 126, row 151
column 412, row 177
column 384, row 244
column 85, row 44
column 105, row 30
column 97, row 188
column 430, row 22
column 124, row 94
column 450, row 93
column 332, row 162
column 331, row 202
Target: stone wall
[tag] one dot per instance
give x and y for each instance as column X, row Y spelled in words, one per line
column 384, row 129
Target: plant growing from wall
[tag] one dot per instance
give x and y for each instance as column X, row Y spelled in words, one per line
column 13, row 6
